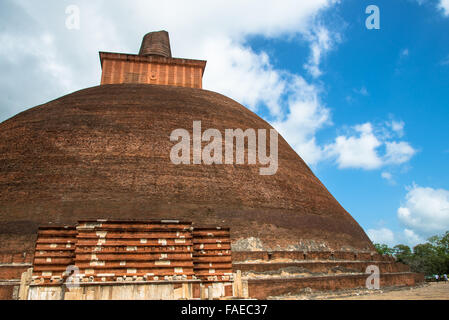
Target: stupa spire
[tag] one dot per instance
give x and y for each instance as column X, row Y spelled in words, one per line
column 156, row 44
column 153, row 65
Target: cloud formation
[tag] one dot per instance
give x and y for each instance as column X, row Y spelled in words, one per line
column 390, row 238
column 424, row 213
column 321, row 42
column 382, row 236
column 306, row 115
column 200, row 29
column 358, row 150
column 389, row 177
column 397, row 127
column 58, row 61
column 444, row 5
column 425, row 210
column 362, row 148
column 62, row 60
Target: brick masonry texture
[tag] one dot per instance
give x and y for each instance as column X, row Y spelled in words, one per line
column 263, row 288
column 105, row 152
column 108, row 250
column 127, row 68
column 156, row 43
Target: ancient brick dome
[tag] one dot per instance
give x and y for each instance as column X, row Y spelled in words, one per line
column 104, row 152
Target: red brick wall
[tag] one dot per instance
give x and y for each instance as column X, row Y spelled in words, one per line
column 304, row 255
column 151, row 250
column 171, row 72
column 12, row 272
column 6, row 292
column 263, row 288
column 322, row 267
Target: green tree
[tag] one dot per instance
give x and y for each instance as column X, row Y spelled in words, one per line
column 383, row 249
column 441, row 248
column 427, row 259
column 403, row 253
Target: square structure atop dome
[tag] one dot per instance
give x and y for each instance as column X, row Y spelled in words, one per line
column 153, row 65
column 121, row 68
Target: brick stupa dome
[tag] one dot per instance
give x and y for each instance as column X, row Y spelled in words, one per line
column 87, row 180
column 104, row 152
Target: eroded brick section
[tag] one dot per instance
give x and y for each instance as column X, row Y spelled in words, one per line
column 143, row 251
column 117, row 157
column 6, row 292
column 12, row 272
column 263, row 288
column 116, row 251
column 55, row 251
column 311, row 267
column 212, row 255
column 241, row 256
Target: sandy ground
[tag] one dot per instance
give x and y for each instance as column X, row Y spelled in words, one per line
column 430, row 291
column 426, row 291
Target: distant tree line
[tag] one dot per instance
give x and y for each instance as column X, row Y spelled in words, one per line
column 429, row 258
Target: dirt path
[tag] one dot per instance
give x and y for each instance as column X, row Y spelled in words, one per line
column 431, row 291
column 426, row 291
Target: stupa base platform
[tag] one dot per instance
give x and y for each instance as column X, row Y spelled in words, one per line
column 282, row 273
column 266, row 288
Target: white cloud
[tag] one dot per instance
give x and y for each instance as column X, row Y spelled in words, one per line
column 362, row 148
column 68, row 60
column 397, row 127
column 425, row 211
column 61, row 61
column 444, row 5
column 363, row 91
column 38, row 55
column 398, row 152
column 358, row 151
column 322, row 41
column 392, row 238
column 411, row 238
column 382, row 236
column 238, row 72
column 387, row 176
column 305, row 117
column 218, row 35
column 420, row 2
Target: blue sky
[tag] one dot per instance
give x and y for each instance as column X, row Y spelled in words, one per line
column 399, row 73
column 366, row 109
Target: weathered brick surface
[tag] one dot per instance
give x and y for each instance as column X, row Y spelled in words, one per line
column 263, row 288
column 116, row 250
column 153, row 65
column 6, row 292
column 212, row 255
column 105, row 152
column 156, row 43
column 127, row 68
column 238, row 256
column 55, row 251
column 321, row 267
column 12, row 272
column 152, row 250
